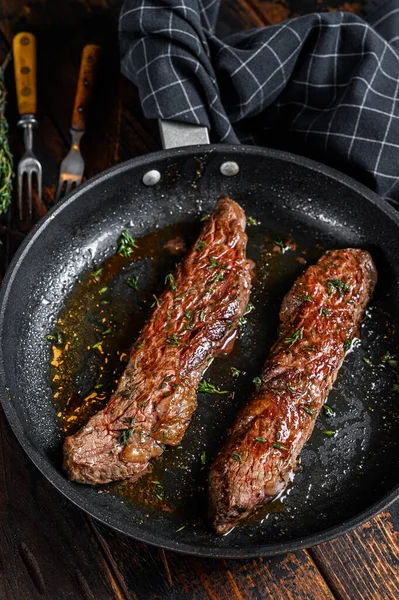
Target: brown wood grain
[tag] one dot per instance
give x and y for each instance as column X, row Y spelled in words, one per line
column 292, row 576
column 364, row 564
column 47, row 549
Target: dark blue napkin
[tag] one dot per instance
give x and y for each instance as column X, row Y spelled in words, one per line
column 323, row 85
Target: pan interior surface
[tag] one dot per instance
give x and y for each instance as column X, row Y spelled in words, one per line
column 341, row 475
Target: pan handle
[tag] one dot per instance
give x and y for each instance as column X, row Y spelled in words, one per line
column 175, row 135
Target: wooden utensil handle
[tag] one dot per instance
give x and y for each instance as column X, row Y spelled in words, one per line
column 87, row 76
column 24, row 52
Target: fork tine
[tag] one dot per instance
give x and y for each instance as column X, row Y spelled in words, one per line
column 29, row 178
column 20, row 184
column 68, row 187
column 39, row 188
column 59, row 194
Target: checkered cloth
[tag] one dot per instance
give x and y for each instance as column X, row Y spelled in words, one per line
column 322, row 85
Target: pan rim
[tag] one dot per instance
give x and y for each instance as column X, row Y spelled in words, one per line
column 70, row 490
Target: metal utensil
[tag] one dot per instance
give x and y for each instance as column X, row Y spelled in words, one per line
column 72, row 167
column 24, row 52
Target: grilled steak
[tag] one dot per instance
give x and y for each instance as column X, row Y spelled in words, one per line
column 319, row 318
column 195, row 319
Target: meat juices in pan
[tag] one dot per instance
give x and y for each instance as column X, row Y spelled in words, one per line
column 195, row 319
column 319, row 318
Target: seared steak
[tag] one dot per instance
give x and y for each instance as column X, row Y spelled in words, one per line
column 319, row 318
column 195, row 319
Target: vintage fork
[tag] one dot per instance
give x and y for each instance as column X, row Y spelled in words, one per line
column 24, row 52
column 72, row 167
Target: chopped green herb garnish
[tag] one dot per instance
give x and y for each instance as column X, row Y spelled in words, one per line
column 329, row 432
column 170, row 279
column 133, row 282
column 160, row 498
column 203, row 458
column 120, row 488
column 251, row 221
column 126, row 244
column 324, row 311
column 143, row 404
column 103, row 290
column 279, row 242
column 125, row 436
column 180, row 528
column 235, row 372
column 395, row 387
column 306, row 298
column 205, row 217
column 328, row 411
column 97, row 274
column 337, row 285
column 97, row 344
column 309, row 348
column 106, row 331
column 289, row 387
column 390, row 359
column 57, row 338
column 348, row 344
column 298, row 335
column 367, row 361
column 279, row 446
column 205, row 387
column 200, row 245
column 213, row 263
column 104, row 302
column 156, row 301
column 173, row 340
column 219, row 277
column 275, row 391
column 307, row 409
column 248, row 308
column 188, row 315
column 235, row 456
column 202, row 316
column 241, row 322
column 98, row 386
column 257, row 381
column 260, row 439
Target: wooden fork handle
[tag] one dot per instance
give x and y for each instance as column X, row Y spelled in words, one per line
column 24, row 53
column 87, row 78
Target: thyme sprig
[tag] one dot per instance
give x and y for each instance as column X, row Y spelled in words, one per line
column 6, row 160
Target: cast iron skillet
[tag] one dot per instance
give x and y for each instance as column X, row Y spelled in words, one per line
column 344, row 480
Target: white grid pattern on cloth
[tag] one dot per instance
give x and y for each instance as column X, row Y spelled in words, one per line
column 329, row 80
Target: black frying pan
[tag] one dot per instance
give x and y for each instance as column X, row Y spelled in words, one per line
column 343, row 480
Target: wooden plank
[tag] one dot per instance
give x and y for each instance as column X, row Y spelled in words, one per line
column 47, row 549
column 149, row 572
column 364, row 564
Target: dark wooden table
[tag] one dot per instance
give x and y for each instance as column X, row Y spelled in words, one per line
column 50, row 549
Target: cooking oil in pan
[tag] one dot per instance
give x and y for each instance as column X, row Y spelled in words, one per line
column 102, row 318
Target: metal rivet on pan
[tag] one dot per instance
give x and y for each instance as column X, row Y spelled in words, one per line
column 229, row 169
column 151, row 177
